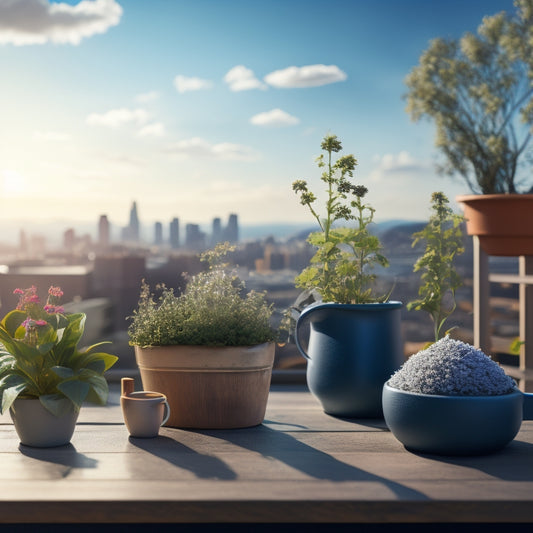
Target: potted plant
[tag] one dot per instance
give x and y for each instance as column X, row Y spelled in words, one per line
column 477, row 90
column 44, row 376
column 443, row 238
column 210, row 350
column 452, row 399
column 355, row 341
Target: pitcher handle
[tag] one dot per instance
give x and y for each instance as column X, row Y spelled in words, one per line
column 299, row 323
column 304, row 316
column 527, row 410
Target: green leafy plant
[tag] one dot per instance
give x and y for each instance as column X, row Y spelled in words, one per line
column 443, row 237
column 214, row 310
column 341, row 269
column 39, row 356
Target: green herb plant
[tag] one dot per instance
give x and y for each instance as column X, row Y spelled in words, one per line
column 214, row 310
column 341, row 269
column 40, row 358
column 443, row 237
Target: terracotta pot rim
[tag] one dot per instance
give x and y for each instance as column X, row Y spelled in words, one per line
column 484, row 197
column 204, row 346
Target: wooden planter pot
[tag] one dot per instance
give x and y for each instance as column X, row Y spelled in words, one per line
column 209, row 387
column 503, row 222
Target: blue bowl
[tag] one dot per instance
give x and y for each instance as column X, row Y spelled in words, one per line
column 455, row 425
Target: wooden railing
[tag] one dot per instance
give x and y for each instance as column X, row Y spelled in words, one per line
column 482, row 338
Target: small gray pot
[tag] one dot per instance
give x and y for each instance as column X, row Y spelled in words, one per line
column 37, row 427
column 455, row 425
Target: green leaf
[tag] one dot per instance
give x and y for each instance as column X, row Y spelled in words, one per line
column 107, row 359
column 10, row 394
column 97, row 366
column 13, row 320
column 57, row 404
column 75, row 390
column 97, row 345
column 63, row 372
column 514, row 347
column 99, row 390
column 45, row 348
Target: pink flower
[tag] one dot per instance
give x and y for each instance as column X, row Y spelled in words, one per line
column 53, row 309
column 31, row 323
column 55, row 291
column 18, row 291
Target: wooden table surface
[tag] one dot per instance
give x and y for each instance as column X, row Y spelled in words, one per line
column 300, row 465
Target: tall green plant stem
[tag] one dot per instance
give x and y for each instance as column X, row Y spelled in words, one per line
column 341, row 268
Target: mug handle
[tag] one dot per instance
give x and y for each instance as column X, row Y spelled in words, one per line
column 166, row 414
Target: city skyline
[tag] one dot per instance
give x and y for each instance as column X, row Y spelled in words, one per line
column 203, row 107
column 172, row 234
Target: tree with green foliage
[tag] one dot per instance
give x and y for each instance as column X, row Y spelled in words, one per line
column 478, row 90
column 439, row 280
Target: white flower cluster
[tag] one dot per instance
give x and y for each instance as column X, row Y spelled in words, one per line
column 452, row 368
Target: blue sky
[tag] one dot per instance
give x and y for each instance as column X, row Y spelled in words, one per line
column 202, row 108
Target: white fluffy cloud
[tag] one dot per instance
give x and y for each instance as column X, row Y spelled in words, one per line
column 198, row 147
column 115, row 118
column 308, row 76
column 274, row 118
column 24, row 22
column 185, row 84
column 400, row 162
column 240, row 78
column 393, row 164
column 156, row 129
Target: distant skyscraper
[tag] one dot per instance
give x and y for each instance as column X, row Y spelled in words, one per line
column 175, row 233
column 194, row 238
column 158, row 229
column 103, row 232
column 133, row 228
column 23, row 242
column 216, row 232
column 69, row 239
column 232, row 229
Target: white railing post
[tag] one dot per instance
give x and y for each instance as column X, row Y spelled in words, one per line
column 526, row 321
column 481, row 294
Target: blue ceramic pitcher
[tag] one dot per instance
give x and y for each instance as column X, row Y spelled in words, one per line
column 353, row 350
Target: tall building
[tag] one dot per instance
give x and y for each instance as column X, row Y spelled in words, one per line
column 103, row 232
column 69, row 239
column 158, row 233
column 132, row 231
column 194, row 238
column 23, row 242
column 174, row 233
column 216, row 232
column 232, row 229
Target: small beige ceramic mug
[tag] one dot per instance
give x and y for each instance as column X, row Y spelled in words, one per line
column 144, row 412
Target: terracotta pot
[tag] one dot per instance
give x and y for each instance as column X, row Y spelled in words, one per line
column 209, row 387
column 37, row 427
column 503, row 222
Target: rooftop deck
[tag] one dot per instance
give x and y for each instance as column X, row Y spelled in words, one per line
column 299, row 466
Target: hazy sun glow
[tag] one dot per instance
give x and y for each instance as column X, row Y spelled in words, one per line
column 13, row 183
